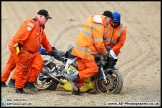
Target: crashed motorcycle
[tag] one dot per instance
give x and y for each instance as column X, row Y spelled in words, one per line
column 55, row 73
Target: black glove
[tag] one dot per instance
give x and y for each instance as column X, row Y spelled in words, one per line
column 59, row 54
column 53, row 48
column 52, row 53
column 108, row 48
column 49, row 53
column 56, row 53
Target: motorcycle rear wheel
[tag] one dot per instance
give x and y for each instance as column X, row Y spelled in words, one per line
column 49, row 84
column 114, row 85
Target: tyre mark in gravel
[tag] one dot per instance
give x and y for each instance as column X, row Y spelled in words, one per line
column 66, row 5
column 138, row 43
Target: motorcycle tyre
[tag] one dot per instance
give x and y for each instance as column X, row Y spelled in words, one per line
column 117, row 89
column 53, row 84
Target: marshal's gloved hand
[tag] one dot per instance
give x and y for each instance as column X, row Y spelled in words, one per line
column 108, row 48
column 42, row 51
column 53, row 48
column 56, row 53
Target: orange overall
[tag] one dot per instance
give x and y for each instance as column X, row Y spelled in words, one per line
column 88, row 43
column 10, row 66
column 29, row 61
column 115, row 37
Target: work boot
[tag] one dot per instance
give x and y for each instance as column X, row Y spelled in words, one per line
column 3, row 84
column 20, row 91
column 11, row 83
column 30, row 85
column 27, row 85
column 76, row 92
column 74, row 80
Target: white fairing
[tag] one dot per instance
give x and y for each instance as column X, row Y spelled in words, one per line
column 113, row 54
column 69, row 61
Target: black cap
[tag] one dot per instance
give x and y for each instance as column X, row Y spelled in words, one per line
column 108, row 14
column 45, row 13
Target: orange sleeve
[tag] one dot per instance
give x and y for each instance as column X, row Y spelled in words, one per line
column 105, row 42
column 121, row 41
column 97, row 34
column 104, row 38
column 45, row 43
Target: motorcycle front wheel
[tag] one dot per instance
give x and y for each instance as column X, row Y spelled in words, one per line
column 114, row 82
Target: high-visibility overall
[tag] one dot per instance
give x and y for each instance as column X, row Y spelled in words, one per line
column 10, row 66
column 29, row 61
column 88, row 43
column 115, row 37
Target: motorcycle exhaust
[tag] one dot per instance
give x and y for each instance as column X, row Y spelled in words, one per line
column 50, row 74
column 45, row 71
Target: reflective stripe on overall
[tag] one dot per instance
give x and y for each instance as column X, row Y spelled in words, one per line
column 90, row 36
column 109, row 39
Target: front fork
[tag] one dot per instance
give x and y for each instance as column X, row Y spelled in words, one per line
column 103, row 74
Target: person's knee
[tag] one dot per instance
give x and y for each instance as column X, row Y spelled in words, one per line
column 38, row 66
column 41, row 66
column 95, row 69
column 41, row 63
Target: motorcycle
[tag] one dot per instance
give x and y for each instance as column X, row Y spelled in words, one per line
column 55, row 73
